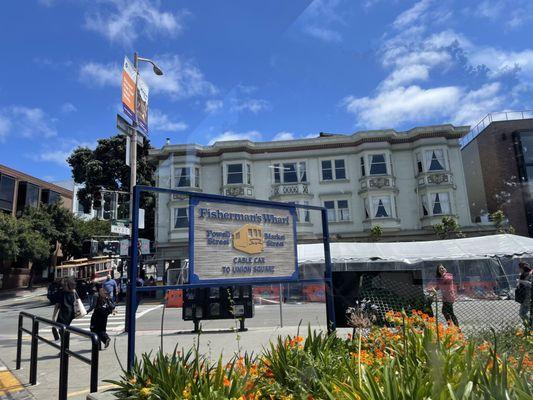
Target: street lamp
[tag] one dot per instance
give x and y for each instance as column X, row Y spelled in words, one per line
column 133, row 167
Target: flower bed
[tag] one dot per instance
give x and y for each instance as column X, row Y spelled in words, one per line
column 414, row 358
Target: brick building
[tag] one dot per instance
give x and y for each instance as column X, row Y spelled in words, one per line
column 498, row 162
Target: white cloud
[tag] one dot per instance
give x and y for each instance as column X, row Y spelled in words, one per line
column 159, row 121
column 213, row 105
column 253, row 105
column 181, row 78
column 68, row 108
column 232, row 135
column 26, row 122
column 412, row 14
column 501, row 61
column 390, row 108
column 55, row 156
column 320, row 20
column 283, row 136
column 124, row 20
column 5, row 127
column 97, row 74
column 324, row 34
column 405, row 75
column 479, row 102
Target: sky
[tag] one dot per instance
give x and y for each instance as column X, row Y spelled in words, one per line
column 254, row 69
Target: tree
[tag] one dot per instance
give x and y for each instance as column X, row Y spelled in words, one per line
column 20, row 243
column 501, row 222
column 9, row 244
column 105, row 168
column 448, row 229
column 85, row 230
column 376, row 232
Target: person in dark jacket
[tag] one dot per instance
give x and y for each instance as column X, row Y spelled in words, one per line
column 64, row 300
column 103, row 307
column 524, row 293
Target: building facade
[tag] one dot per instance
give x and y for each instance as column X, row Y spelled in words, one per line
column 403, row 182
column 19, row 190
column 498, row 162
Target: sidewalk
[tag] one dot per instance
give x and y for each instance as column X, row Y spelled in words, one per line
column 22, row 293
column 10, row 386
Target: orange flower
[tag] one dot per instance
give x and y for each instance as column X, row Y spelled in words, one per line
column 227, row 382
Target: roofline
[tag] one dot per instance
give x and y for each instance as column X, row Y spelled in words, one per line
column 324, row 141
column 31, row 179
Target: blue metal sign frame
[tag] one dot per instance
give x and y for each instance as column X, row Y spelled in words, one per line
column 133, row 267
column 193, row 202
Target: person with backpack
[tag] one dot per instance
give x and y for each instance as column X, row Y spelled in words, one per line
column 102, row 306
column 523, row 292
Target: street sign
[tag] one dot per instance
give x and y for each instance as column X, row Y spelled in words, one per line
column 117, row 227
column 237, row 242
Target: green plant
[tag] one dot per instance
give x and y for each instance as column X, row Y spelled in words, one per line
column 448, row 228
column 376, row 232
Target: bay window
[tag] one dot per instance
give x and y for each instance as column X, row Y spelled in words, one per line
column 440, row 203
column 183, row 177
column 379, row 207
column 238, row 173
column 290, row 172
column 435, row 160
column 378, row 164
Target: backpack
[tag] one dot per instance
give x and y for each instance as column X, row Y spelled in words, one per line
column 520, row 293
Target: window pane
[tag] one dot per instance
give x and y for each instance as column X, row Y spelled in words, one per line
column 343, row 211
column 277, row 177
column 180, row 218
column 340, row 171
column 436, row 160
column 381, row 207
column 289, row 173
column 7, row 189
column 183, row 177
column 302, row 172
column 197, row 177
column 437, row 209
column 32, row 195
column 330, row 206
column 234, row 173
column 378, row 165
column 248, row 174
column 363, row 173
column 327, row 172
column 526, row 140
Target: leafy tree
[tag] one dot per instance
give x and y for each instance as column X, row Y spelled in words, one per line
column 85, row 230
column 449, row 228
column 501, row 222
column 9, row 244
column 105, row 168
column 20, row 242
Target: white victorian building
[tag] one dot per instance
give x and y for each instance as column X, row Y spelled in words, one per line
column 404, row 182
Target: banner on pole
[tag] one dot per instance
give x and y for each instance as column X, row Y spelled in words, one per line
column 134, row 95
column 236, row 242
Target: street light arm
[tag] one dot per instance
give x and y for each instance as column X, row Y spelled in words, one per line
column 157, row 70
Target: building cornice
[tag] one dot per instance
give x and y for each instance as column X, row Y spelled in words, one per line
column 324, row 141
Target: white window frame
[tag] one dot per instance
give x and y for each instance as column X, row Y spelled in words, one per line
column 280, row 166
column 194, row 176
column 428, row 153
column 335, row 213
column 372, row 203
column 246, row 171
column 367, row 157
column 333, row 169
column 174, row 216
column 448, row 203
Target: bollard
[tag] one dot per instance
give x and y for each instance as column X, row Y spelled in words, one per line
column 34, row 352
column 19, row 342
column 94, row 363
column 63, row 364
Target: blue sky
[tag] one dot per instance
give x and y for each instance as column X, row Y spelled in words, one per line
column 261, row 70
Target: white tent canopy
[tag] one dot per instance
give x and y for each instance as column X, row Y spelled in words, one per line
column 413, row 252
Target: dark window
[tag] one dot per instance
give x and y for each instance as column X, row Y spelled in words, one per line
column 363, row 173
column 327, row 170
column 378, row 166
column 7, row 190
column 49, row 196
column 180, row 218
column 289, row 173
column 234, row 173
column 437, row 209
column 436, row 164
column 330, row 206
column 183, row 177
column 277, row 176
column 340, row 169
column 381, row 212
column 197, row 177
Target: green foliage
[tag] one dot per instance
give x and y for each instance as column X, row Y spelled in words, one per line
column 376, row 232
column 501, row 223
column 84, row 230
column 448, row 228
column 20, row 242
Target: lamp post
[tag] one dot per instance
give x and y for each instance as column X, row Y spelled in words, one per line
column 133, row 170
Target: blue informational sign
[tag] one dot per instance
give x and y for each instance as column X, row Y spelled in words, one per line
column 235, row 242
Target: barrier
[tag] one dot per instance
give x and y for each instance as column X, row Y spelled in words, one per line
column 63, row 347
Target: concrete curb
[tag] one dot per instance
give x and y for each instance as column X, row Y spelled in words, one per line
column 10, row 386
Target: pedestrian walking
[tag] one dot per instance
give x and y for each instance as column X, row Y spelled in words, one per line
column 447, row 290
column 110, row 286
column 64, row 300
column 103, row 307
column 523, row 293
